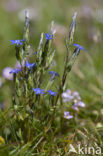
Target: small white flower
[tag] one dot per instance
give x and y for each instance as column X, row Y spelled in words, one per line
column 75, row 100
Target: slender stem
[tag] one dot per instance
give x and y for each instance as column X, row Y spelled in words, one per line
column 63, row 81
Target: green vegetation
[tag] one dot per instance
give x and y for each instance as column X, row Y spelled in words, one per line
column 86, row 76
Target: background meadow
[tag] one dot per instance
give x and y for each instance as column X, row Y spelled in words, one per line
column 86, row 76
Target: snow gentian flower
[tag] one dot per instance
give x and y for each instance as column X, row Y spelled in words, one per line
column 38, row 91
column 79, row 47
column 67, row 115
column 29, row 65
column 48, row 36
column 51, row 93
column 54, row 74
column 14, row 71
column 35, row 53
column 17, row 42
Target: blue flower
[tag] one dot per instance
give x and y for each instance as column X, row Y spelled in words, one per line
column 38, row 91
column 35, row 53
column 2, row 105
column 51, row 93
column 29, row 65
column 17, row 42
column 48, row 36
column 14, row 71
column 79, row 47
column 54, row 74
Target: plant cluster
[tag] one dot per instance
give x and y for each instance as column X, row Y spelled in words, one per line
column 38, row 100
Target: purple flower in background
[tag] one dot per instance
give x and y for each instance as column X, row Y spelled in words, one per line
column 74, row 97
column 75, row 107
column 29, row 65
column 67, row 96
column 2, row 105
column 81, row 104
column 17, row 42
column 67, row 115
column 52, row 93
column 48, row 36
column 18, row 65
column 0, row 82
column 79, row 47
column 14, row 71
column 78, row 104
column 75, row 94
column 5, row 73
column 53, row 74
column 38, row 91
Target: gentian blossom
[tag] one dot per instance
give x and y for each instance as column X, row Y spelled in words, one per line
column 48, row 36
column 79, row 47
column 14, row 71
column 17, row 42
column 35, row 53
column 29, row 65
column 53, row 74
column 67, row 115
column 38, row 91
column 52, row 93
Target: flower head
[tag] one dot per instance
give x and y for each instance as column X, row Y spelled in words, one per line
column 5, row 73
column 17, row 42
column 48, row 36
column 14, row 71
column 79, row 47
column 75, row 107
column 81, row 104
column 53, row 74
column 52, row 93
column 38, row 91
column 67, row 96
column 18, row 65
column 67, row 115
column 78, row 104
column 2, row 105
column 35, row 53
column 29, row 65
